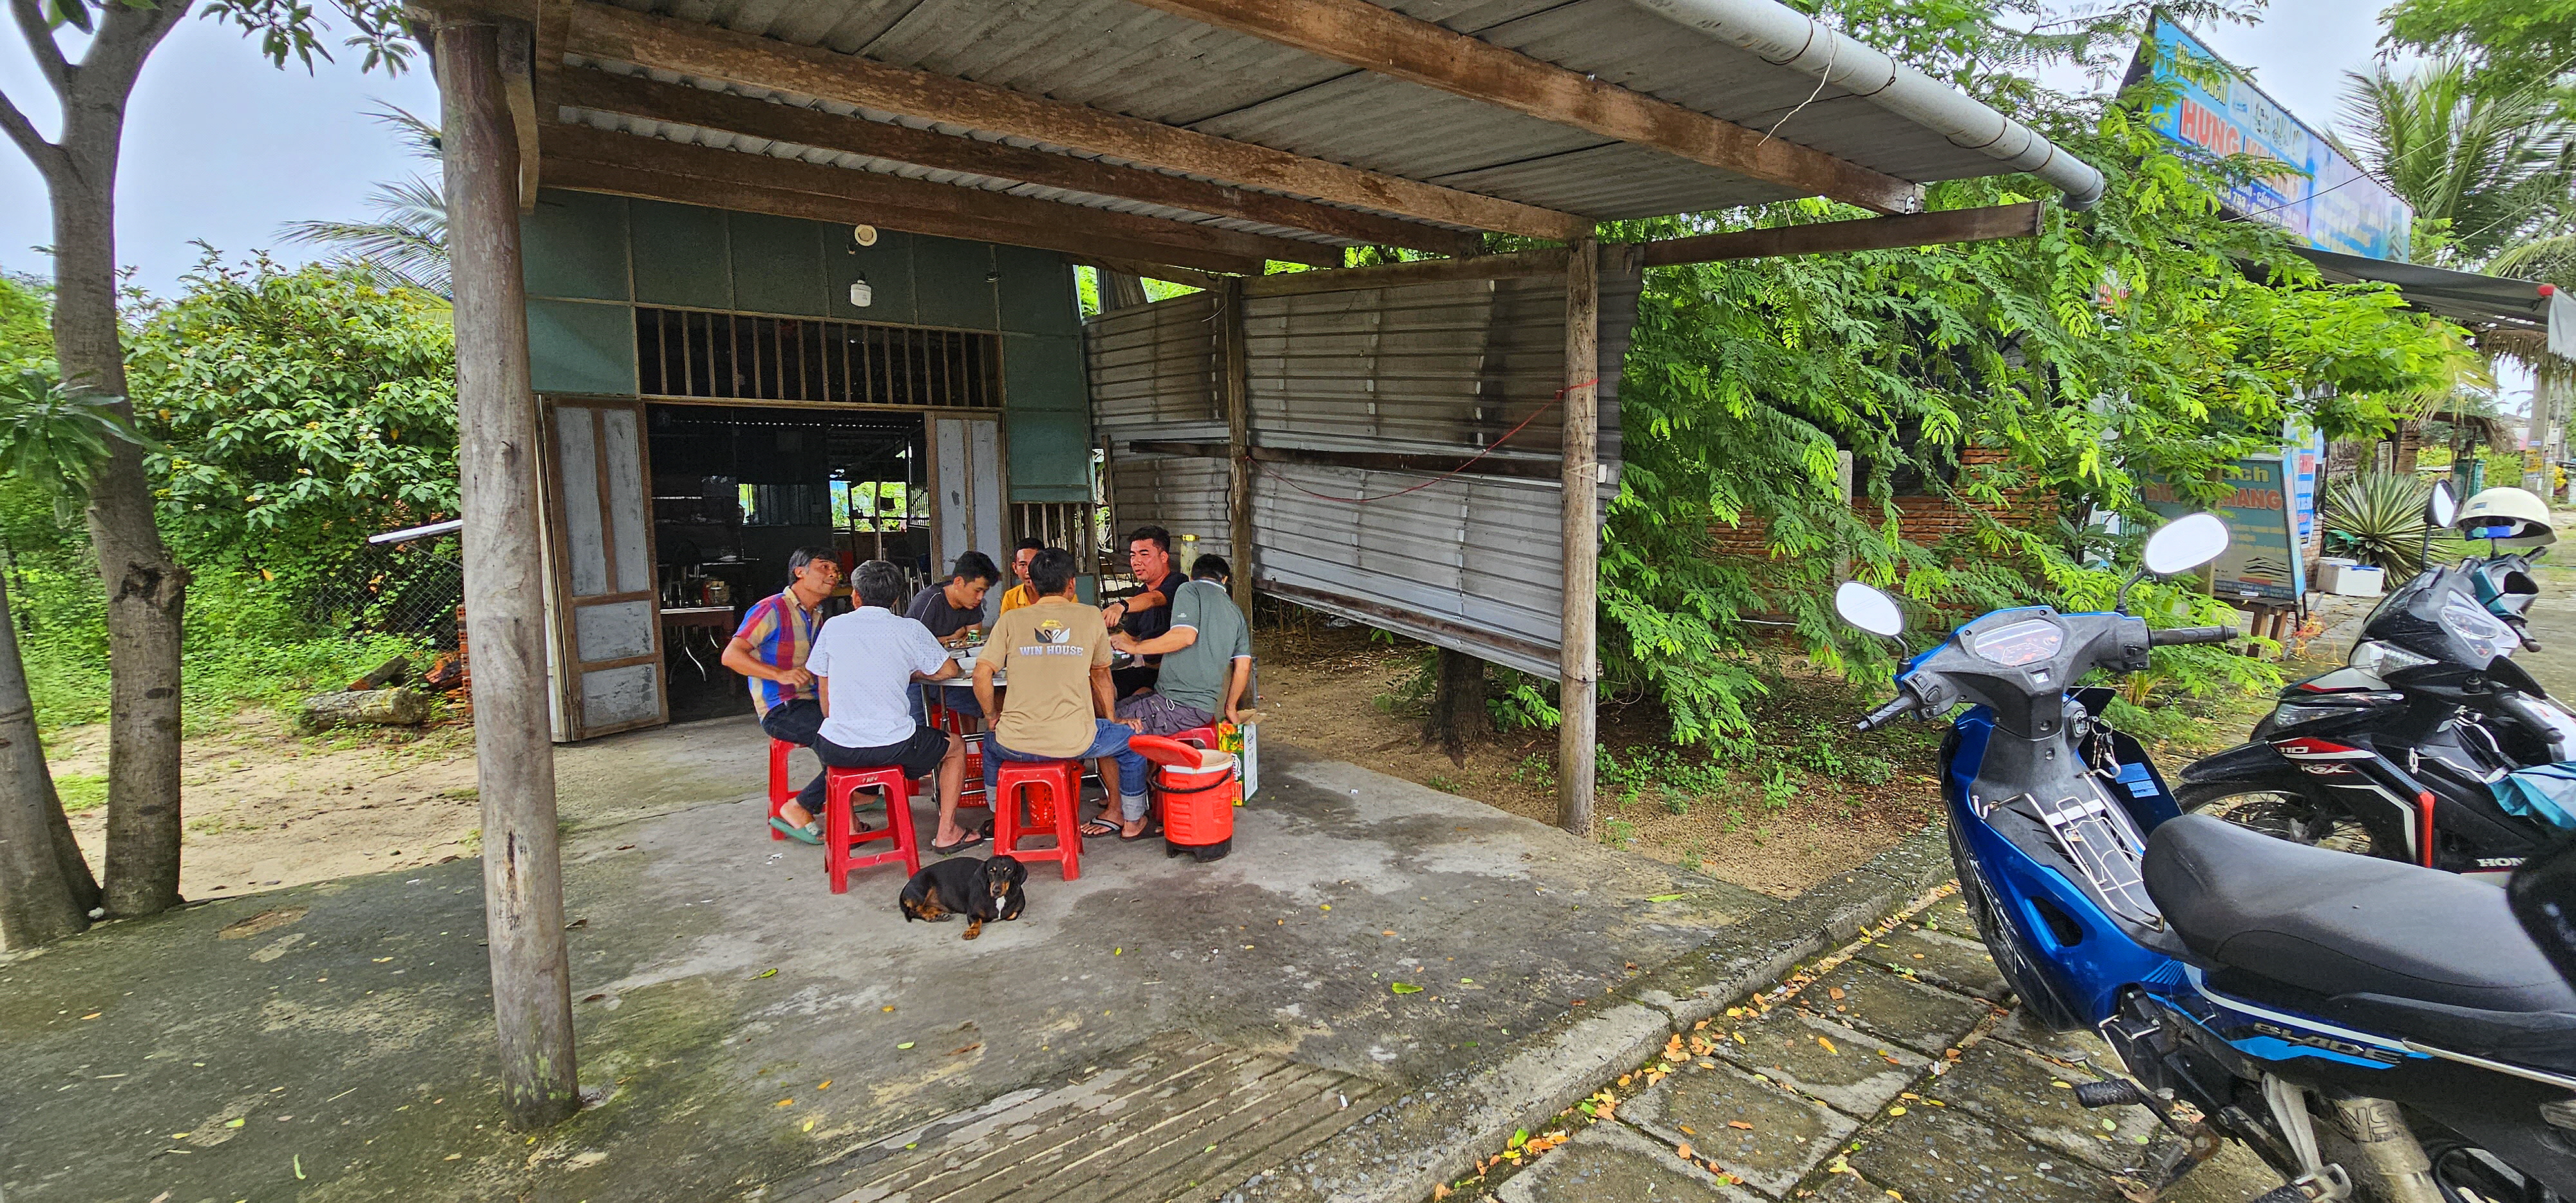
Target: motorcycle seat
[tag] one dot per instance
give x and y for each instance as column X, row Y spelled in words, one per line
column 2335, row 924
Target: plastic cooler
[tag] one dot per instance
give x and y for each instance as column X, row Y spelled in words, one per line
column 1197, row 790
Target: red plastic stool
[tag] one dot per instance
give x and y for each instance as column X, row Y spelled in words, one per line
column 1056, row 784
column 1197, row 737
column 840, row 839
column 778, row 792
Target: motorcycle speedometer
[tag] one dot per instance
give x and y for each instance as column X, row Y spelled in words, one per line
column 2015, row 644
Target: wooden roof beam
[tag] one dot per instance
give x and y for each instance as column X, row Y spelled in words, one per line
column 1870, row 234
column 605, row 31
column 685, row 105
column 589, row 160
column 1389, row 43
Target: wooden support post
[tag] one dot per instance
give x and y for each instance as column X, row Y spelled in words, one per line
column 1578, row 663
column 1235, row 379
column 504, row 599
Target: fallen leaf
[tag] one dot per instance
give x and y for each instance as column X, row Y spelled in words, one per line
column 2063, row 1085
column 885, row 1008
column 827, row 1084
column 1829, row 1046
column 299, row 1167
column 784, row 1103
column 968, row 1049
column 1896, row 1111
column 1439, row 1192
column 593, row 997
column 905, row 1044
column 1685, row 1151
column 809, row 1126
column 1403, row 988
column 1834, row 992
column 764, row 973
column 1737, row 1123
column 1520, row 1136
column 1667, row 897
column 93, row 1014
column 235, row 1123
column 1686, row 1129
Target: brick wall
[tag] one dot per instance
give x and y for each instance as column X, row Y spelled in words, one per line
column 1920, row 519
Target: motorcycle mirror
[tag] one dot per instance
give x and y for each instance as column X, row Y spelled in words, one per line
column 2185, row 543
column 1869, row 609
column 2442, row 506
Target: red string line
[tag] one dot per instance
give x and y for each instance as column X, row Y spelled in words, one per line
column 1471, row 462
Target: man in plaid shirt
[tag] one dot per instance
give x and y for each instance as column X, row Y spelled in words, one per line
column 769, row 651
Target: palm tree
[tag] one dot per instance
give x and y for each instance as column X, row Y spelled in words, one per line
column 2491, row 166
column 407, row 243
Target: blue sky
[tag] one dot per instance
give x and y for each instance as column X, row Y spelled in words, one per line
column 223, row 147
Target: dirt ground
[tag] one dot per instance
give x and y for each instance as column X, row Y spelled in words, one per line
column 1317, row 688
column 265, row 808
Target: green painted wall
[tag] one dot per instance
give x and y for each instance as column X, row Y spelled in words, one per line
column 590, row 259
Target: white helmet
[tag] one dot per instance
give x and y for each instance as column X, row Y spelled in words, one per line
column 2508, row 515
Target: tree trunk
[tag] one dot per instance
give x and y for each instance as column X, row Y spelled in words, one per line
column 146, row 589
column 1458, row 712
column 39, row 901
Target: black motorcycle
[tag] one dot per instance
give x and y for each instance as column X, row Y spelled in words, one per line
column 2395, row 755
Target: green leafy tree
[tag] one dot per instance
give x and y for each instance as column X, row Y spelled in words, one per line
column 297, row 412
column 2149, row 338
column 90, row 53
column 2513, row 41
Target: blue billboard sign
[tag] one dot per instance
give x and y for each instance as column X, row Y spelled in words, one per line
column 2322, row 198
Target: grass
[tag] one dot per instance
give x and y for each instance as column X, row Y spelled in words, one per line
column 81, row 791
column 244, row 646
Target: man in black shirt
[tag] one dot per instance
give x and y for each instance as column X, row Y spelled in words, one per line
column 954, row 612
column 1146, row 615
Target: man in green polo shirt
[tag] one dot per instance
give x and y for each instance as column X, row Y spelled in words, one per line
column 1207, row 658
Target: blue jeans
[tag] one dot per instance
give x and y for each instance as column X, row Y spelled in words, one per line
column 1108, row 739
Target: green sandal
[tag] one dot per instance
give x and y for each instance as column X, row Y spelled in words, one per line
column 811, row 833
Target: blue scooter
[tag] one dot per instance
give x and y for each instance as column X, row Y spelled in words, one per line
column 2370, row 1029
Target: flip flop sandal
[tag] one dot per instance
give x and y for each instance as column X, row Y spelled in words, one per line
column 1107, row 826
column 809, row 834
column 972, row 838
column 1150, row 832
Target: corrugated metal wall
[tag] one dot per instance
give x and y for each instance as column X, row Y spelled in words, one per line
column 1471, row 562
column 1153, row 376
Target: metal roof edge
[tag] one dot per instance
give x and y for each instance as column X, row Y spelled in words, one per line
column 1786, row 38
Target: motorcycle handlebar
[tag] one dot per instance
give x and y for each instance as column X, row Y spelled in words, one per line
column 1885, row 714
column 2172, row 636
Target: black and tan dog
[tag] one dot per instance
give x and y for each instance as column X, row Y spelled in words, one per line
column 982, row 890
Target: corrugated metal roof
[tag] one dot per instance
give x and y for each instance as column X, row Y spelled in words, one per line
column 1121, row 57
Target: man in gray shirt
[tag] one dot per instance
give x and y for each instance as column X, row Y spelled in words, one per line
column 1207, row 658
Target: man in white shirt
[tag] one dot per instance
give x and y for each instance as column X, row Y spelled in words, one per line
column 864, row 663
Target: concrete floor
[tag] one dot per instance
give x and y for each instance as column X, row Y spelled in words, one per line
column 742, row 1027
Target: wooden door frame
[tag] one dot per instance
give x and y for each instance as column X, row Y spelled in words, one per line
column 573, row 668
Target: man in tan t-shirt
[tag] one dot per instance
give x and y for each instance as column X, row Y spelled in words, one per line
column 1060, row 706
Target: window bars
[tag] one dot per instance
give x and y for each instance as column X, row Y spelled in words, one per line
column 746, row 357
